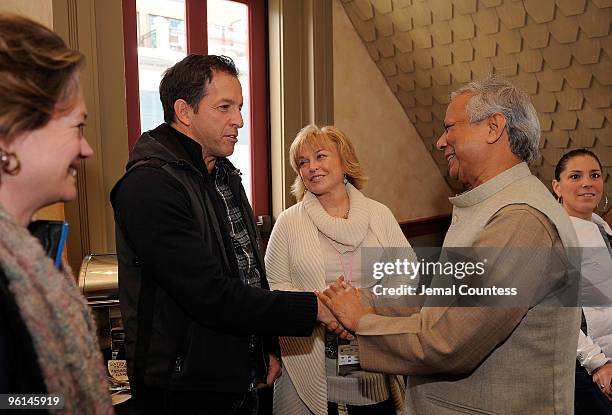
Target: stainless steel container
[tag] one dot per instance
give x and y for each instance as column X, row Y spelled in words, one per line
column 98, row 282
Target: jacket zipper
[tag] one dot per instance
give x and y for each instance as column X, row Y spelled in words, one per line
column 178, row 364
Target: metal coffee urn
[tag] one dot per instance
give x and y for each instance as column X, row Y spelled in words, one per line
column 98, row 282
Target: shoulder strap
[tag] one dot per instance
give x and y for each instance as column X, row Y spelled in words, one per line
column 607, row 238
column 202, row 207
column 148, row 162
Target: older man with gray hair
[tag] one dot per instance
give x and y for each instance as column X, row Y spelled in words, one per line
column 484, row 360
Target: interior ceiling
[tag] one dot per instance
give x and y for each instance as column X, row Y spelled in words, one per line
column 559, row 51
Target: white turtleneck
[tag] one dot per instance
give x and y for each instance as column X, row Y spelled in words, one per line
column 341, row 238
column 296, row 260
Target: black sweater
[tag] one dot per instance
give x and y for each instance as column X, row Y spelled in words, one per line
column 19, row 370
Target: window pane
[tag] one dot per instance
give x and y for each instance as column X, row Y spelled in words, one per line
column 228, row 34
column 161, row 43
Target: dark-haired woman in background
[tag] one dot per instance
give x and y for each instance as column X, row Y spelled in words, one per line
column 47, row 337
column 578, row 185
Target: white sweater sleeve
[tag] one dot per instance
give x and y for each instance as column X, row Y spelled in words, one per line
column 589, row 354
column 277, row 258
column 400, row 249
column 397, row 239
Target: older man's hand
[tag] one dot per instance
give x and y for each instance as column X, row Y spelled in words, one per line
column 344, row 301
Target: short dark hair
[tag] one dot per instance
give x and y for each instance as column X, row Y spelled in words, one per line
column 37, row 72
column 562, row 164
column 188, row 80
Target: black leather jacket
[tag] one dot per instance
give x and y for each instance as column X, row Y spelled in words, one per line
column 186, row 313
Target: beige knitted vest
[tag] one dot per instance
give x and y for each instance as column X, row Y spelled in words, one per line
column 541, row 350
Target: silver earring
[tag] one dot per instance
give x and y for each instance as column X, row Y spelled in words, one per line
column 9, row 163
column 560, row 200
column 603, row 209
column 303, row 184
column 345, row 179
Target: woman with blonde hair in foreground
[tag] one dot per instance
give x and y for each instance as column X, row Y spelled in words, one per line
column 312, row 243
column 47, row 336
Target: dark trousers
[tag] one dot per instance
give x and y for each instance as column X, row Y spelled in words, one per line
column 265, row 396
column 382, row 408
column 588, row 399
column 161, row 402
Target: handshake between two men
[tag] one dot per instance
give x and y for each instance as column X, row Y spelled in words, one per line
column 341, row 308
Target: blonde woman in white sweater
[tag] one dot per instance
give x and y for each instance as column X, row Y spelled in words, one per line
column 312, row 243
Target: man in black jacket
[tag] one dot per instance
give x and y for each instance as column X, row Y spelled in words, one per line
column 199, row 317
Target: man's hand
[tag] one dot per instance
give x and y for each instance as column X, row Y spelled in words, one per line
column 327, row 320
column 344, row 301
column 602, row 377
column 274, row 370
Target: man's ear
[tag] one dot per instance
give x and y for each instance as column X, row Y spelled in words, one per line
column 556, row 188
column 183, row 112
column 497, row 125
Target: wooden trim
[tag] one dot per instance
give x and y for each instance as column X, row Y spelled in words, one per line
column 112, row 115
column 322, row 62
column 65, row 22
column 130, row 52
column 196, row 26
column 81, row 23
column 73, row 30
column 301, row 82
column 81, row 200
column 260, row 129
column 426, row 226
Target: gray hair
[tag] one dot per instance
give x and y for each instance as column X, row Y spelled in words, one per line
column 493, row 95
